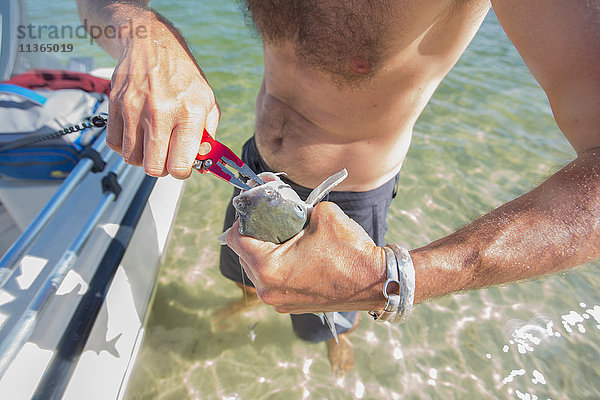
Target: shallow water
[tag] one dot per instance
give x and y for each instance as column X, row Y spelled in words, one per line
column 486, row 137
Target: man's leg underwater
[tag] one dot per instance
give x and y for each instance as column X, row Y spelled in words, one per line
column 368, row 209
column 231, row 269
column 229, row 261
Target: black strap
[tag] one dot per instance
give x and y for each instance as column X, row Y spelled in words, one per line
column 93, row 155
column 110, row 183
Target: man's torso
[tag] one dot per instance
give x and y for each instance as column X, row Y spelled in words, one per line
column 345, row 81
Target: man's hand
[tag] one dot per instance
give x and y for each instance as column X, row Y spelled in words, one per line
column 159, row 103
column 332, row 265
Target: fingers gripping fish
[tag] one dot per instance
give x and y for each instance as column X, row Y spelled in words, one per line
column 274, row 212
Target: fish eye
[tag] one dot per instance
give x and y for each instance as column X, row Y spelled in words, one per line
column 271, row 195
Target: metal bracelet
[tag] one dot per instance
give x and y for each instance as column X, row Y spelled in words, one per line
column 390, row 311
column 406, row 274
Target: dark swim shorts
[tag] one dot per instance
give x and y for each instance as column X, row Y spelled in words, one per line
column 369, row 209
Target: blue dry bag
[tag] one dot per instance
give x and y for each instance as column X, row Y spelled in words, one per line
column 26, row 116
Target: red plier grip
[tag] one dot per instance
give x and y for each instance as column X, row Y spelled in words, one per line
column 214, row 157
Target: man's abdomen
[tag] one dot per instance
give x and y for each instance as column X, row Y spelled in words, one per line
column 308, row 153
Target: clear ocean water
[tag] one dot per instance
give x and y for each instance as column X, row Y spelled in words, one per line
column 486, row 137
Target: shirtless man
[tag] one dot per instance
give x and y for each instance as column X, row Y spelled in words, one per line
column 344, row 84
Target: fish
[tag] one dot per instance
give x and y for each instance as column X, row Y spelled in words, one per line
column 274, row 212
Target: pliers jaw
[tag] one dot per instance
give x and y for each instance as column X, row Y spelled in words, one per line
column 219, row 169
column 215, row 157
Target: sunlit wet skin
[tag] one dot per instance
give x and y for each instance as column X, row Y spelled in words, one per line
column 348, row 82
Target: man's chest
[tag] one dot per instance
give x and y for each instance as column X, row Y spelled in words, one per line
column 346, row 37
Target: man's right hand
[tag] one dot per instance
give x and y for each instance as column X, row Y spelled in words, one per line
column 160, row 101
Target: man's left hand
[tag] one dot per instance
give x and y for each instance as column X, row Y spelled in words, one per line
column 331, row 265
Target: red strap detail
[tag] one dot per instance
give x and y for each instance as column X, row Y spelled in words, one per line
column 59, row 79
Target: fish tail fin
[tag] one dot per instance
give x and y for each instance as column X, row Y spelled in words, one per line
column 327, row 186
column 329, row 319
column 222, row 239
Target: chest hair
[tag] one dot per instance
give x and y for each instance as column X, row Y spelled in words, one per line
column 328, row 34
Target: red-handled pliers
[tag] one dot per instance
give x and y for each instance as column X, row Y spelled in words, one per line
column 214, row 157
